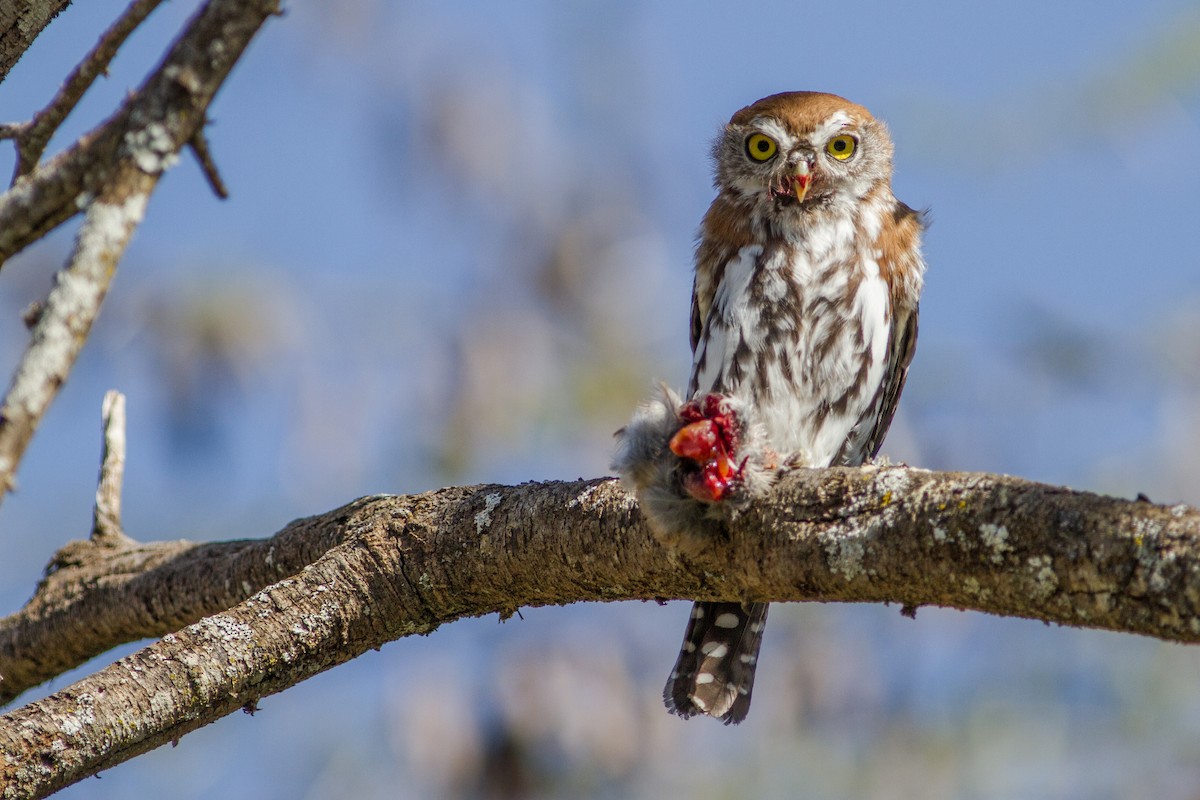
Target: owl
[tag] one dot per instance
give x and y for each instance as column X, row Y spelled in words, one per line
column 808, row 272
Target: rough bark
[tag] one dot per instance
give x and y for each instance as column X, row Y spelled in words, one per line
column 20, row 24
column 97, row 595
column 393, row 566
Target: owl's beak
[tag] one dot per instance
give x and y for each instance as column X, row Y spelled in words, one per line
column 801, row 179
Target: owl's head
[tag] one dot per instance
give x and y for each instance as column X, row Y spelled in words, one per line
column 799, row 150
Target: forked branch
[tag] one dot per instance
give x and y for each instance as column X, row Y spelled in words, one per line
column 109, row 173
column 33, row 136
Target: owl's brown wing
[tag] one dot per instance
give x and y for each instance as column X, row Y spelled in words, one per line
column 868, row 433
column 900, row 355
column 697, row 319
column 717, row 246
column 900, row 262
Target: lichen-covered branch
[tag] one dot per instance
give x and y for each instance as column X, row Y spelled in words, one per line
column 99, row 594
column 147, row 132
column 66, row 319
column 393, row 566
column 33, row 136
column 111, row 589
column 109, row 173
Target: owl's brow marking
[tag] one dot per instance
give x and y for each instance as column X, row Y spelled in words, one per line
column 772, row 128
column 830, row 127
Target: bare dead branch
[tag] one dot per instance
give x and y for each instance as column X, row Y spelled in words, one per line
column 106, row 517
column 32, row 137
column 68, row 314
column 199, row 147
column 147, row 132
column 110, row 172
column 405, row 565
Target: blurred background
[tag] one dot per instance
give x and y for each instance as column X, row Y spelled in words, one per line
column 458, row 250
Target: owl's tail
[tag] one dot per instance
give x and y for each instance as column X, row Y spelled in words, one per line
column 714, row 674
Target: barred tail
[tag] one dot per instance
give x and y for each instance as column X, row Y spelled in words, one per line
column 715, row 671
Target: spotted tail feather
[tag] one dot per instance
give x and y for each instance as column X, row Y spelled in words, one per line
column 715, row 671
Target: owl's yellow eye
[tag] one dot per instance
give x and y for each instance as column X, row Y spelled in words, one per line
column 841, row 147
column 761, row 147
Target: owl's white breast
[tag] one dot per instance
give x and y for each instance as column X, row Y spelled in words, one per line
column 800, row 331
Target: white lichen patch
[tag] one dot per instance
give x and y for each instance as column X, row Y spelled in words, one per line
column 152, row 148
column 584, row 499
column 995, row 538
column 107, row 228
column 225, row 627
column 588, row 501
column 844, row 554
column 1152, row 558
column 1045, row 580
column 894, row 482
column 162, row 703
column 310, row 624
column 83, row 716
column 1144, row 529
column 1158, row 582
column 483, row 519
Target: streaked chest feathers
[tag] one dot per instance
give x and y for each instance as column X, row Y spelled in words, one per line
column 800, row 332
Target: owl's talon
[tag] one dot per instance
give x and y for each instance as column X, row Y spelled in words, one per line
column 715, row 479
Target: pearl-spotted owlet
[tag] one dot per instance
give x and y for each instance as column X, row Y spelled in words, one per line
column 804, row 322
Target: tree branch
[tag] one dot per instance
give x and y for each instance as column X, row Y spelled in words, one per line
column 199, row 147
column 149, row 130
column 33, row 136
column 405, row 565
column 106, row 518
column 20, row 24
column 111, row 173
column 66, row 319
column 95, row 597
